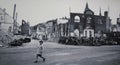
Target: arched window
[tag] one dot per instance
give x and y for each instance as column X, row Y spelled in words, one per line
column 76, row 32
column 89, row 19
column 100, row 21
column 10, row 29
column 90, row 32
column 77, row 19
column 85, row 33
column 1, row 17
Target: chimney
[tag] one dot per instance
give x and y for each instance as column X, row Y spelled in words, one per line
column 14, row 11
column 100, row 12
column 16, row 16
column 106, row 13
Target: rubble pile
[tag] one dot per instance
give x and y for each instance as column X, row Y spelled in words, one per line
column 5, row 38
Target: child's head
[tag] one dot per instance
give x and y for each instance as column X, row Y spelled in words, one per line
column 41, row 42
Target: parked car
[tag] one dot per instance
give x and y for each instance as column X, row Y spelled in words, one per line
column 73, row 41
column 27, row 39
column 62, row 40
column 16, row 43
column 20, row 41
column 69, row 40
column 113, row 38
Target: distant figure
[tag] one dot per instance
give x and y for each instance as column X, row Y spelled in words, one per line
column 39, row 52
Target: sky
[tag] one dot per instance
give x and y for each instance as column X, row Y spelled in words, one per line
column 38, row 11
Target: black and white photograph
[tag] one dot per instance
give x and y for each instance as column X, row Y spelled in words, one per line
column 59, row 32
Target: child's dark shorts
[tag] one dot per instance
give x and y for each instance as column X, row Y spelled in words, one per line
column 39, row 55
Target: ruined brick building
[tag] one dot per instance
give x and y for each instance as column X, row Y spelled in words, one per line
column 87, row 24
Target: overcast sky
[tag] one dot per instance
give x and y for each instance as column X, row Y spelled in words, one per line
column 37, row 11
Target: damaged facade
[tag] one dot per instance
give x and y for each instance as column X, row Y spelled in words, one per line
column 85, row 24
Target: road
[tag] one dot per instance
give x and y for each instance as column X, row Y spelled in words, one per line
column 58, row 54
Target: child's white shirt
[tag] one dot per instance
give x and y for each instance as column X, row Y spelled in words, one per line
column 39, row 50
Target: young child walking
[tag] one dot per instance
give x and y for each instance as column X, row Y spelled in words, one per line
column 39, row 52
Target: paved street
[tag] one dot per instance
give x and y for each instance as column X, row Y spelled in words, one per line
column 57, row 54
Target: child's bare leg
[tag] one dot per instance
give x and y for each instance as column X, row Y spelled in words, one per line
column 42, row 58
column 36, row 57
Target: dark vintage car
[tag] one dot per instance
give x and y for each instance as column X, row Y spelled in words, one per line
column 113, row 38
column 73, row 41
column 19, row 42
column 27, row 39
column 62, row 40
column 69, row 40
column 87, row 41
column 16, row 43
